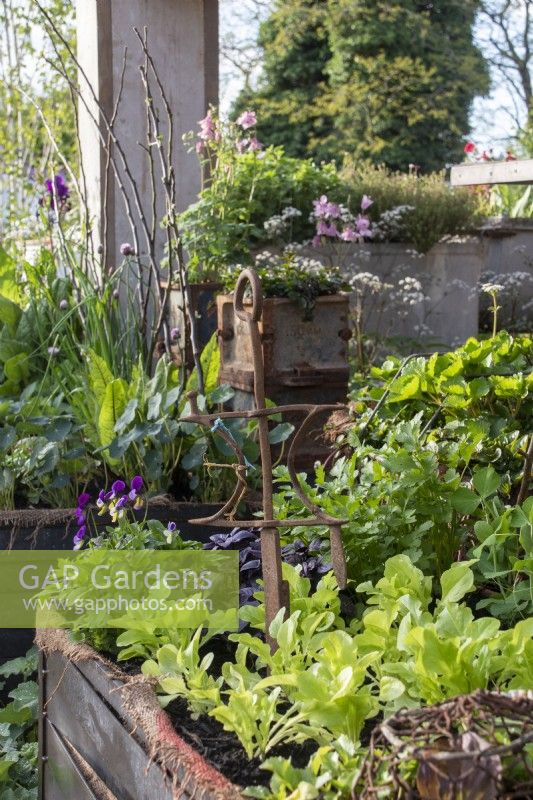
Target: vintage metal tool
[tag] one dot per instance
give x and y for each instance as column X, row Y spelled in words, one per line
column 275, row 588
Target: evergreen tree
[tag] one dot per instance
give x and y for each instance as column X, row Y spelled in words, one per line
column 289, row 101
column 386, row 80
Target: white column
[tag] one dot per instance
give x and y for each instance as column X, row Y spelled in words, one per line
column 183, row 42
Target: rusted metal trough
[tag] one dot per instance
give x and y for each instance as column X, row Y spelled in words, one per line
column 103, row 735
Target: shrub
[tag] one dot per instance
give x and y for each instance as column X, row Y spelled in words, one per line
column 437, row 210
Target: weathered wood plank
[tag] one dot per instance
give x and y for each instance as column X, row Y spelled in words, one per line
column 490, row 172
column 62, row 777
column 81, row 716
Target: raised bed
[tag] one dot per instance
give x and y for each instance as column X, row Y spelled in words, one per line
column 104, row 736
column 29, row 529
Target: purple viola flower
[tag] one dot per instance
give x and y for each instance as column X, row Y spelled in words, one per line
column 121, row 502
column 136, row 485
column 117, row 487
column 79, row 537
column 171, row 527
column 83, row 499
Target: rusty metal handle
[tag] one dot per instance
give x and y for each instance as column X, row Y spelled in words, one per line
column 251, row 277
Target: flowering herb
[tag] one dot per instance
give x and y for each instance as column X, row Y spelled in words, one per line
column 334, row 221
column 56, row 191
column 127, row 249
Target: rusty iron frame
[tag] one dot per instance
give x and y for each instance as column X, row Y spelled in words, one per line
column 275, row 588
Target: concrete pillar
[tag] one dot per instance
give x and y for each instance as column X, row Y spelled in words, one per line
column 183, row 42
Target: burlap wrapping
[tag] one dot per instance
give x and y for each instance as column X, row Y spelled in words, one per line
column 189, row 773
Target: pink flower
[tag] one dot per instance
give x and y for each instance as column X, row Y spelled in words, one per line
column 349, row 235
column 333, row 211
column 254, row 145
column 321, row 206
column 323, row 229
column 317, row 241
column 247, row 120
column 199, row 147
column 242, row 145
column 469, row 147
column 366, row 202
column 363, row 225
column 208, row 131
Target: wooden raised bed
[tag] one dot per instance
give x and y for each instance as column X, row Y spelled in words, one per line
column 104, row 736
column 30, row 529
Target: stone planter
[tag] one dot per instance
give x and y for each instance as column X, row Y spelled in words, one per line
column 29, row 529
column 449, row 274
column 104, row 736
column 508, row 249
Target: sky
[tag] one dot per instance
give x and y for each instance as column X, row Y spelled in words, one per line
column 491, row 123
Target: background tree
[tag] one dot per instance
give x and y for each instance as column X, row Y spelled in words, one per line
column 291, row 100
column 505, row 32
column 390, row 81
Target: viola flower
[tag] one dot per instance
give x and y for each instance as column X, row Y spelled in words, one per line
column 135, row 487
column 79, row 537
column 171, row 527
column 208, row 131
column 469, row 148
column 117, row 487
column 247, row 120
column 83, row 499
column 367, row 201
column 127, row 249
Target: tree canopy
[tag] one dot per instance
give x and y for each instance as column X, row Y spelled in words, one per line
column 388, row 81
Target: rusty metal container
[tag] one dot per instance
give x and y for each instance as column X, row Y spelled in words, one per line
column 306, row 361
column 299, row 354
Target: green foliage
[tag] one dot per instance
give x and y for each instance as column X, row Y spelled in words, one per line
column 391, row 81
column 286, row 276
column 18, row 732
column 436, row 210
column 243, row 191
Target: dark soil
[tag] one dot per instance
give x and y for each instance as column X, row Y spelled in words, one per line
column 223, row 750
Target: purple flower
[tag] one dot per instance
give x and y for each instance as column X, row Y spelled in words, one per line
column 349, row 235
column 83, row 499
column 333, row 211
column 117, row 486
column 366, row 202
column 247, row 120
column 174, row 334
column 171, row 527
column 199, row 146
column 63, row 305
column 208, row 131
column 127, row 249
column 242, row 145
column 80, row 516
column 136, row 483
column 317, row 241
column 79, row 537
column 121, row 502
